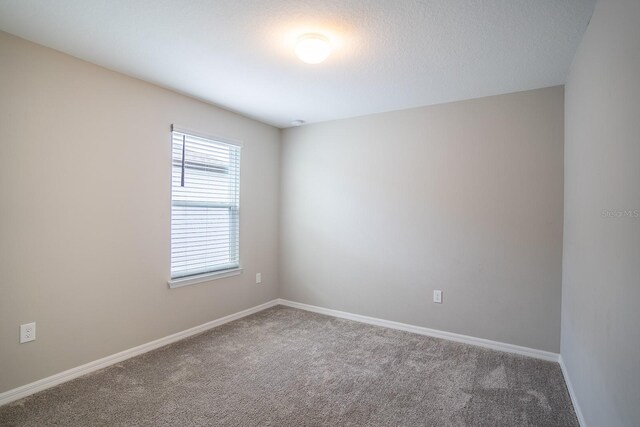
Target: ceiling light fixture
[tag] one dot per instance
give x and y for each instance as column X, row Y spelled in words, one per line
column 297, row 122
column 313, row 48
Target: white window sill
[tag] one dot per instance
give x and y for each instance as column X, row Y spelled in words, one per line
column 192, row 280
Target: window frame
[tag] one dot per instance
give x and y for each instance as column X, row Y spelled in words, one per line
column 234, row 210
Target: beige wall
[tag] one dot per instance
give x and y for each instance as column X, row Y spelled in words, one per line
column 601, row 271
column 84, row 217
column 378, row 211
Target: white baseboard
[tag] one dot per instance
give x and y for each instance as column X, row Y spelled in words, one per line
column 494, row 345
column 574, row 399
column 45, row 383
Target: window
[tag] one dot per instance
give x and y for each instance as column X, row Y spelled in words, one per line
column 205, row 205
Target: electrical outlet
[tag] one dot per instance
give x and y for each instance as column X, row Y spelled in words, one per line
column 27, row 332
column 437, row 296
column 258, row 277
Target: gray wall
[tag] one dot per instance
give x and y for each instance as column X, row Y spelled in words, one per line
column 84, row 218
column 601, row 272
column 466, row 197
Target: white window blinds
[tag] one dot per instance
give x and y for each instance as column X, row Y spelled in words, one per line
column 205, row 202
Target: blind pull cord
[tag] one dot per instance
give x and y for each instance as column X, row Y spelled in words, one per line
column 184, row 143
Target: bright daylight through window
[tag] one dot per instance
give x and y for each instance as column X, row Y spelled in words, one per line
column 205, row 202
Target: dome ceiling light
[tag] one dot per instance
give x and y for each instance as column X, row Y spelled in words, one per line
column 313, row 48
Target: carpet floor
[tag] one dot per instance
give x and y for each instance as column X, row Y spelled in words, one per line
column 288, row 367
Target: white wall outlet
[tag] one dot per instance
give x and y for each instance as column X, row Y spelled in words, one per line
column 437, row 296
column 258, row 277
column 27, row 332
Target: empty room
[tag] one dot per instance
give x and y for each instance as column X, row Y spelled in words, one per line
column 320, row 213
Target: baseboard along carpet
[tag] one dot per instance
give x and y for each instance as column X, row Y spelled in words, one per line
column 289, row 367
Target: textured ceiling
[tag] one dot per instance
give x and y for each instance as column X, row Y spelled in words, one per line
column 389, row 55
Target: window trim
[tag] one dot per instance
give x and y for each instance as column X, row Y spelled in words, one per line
column 206, row 277
column 180, row 129
column 232, row 270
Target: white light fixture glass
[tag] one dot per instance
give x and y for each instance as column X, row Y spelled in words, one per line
column 313, row 48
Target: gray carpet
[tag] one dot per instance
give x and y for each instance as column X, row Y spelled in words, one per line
column 287, row 367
